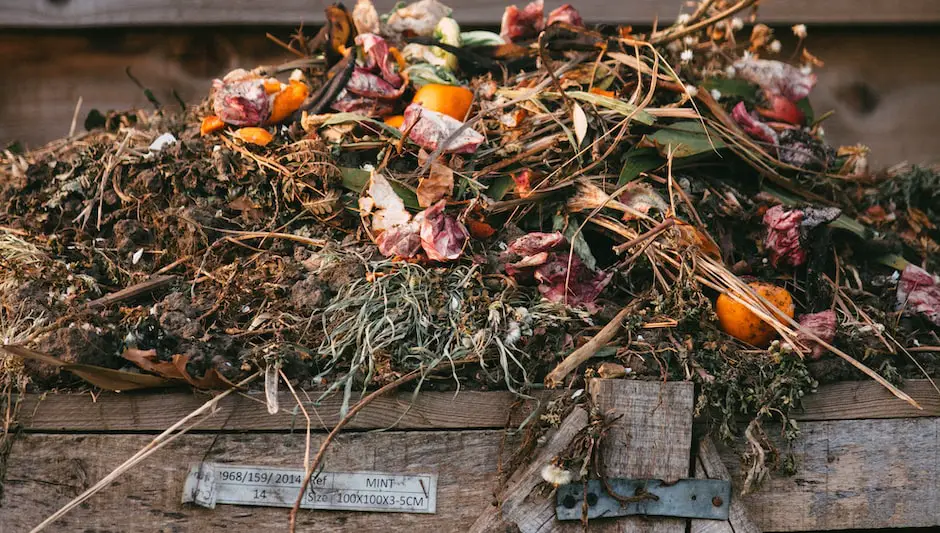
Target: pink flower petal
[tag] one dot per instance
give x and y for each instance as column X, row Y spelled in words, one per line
column 919, row 291
column 783, row 236
column 536, row 242
column 522, row 24
column 823, row 325
column 776, row 77
column 432, row 128
column 364, row 83
column 403, row 240
column 370, row 107
column 754, row 127
column 566, row 14
column 239, row 99
column 376, row 50
column 442, row 236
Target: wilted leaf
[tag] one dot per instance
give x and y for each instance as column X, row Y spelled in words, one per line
column 105, row 378
column 356, row 179
column 499, row 187
column 439, row 184
column 580, row 123
column 685, row 138
column 385, row 206
column 581, row 246
column 175, row 370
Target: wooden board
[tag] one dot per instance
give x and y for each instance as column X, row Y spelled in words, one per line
column 154, row 412
column 46, row 471
column 853, row 474
column 85, row 13
column 866, row 399
column 651, row 439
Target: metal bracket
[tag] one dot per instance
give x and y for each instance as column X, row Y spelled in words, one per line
column 686, row 498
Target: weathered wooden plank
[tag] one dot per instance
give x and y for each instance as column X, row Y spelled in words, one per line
column 708, row 465
column 46, row 471
column 652, row 439
column 867, row 399
column 520, row 505
column 431, row 410
column 157, row 411
column 87, row 13
column 858, row 474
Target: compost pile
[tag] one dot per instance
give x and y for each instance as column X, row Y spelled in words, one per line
column 402, row 194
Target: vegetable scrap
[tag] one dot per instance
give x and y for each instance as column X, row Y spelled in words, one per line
column 402, row 193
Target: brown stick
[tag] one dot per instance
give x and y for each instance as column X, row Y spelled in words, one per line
column 586, row 351
column 127, row 293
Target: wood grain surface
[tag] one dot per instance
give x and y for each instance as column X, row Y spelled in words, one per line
column 650, row 439
column 46, row 471
column 86, row 13
column 708, row 465
column 154, row 412
column 853, row 474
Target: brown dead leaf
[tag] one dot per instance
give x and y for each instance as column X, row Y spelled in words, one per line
column 692, row 236
column 105, row 378
column 176, row 370
column 439, row 184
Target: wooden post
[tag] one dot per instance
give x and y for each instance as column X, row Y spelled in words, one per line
column 652, row 439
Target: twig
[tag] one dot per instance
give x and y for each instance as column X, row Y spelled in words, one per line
column 588, row 349
column 78, row 108
column 666, row 35
column 127, row 293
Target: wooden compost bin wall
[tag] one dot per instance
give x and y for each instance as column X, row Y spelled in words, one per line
column 881, row 74
column 864, row 460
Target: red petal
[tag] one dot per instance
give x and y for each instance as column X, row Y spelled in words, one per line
column 919, row 291
column 376, row 50
column 442, row 236
column 823, row 325
column 754, row 127
column 523, row 24
column 782, row 110
column 364, row 83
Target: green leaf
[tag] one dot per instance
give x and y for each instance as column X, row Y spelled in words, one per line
column 580, row 245
column 685, row 138
column 499, row 187
column 356, row 180
column 807, row 109
column 342, row 118
column 422, row 74
column 732, row 87
column 481, row 38
column 637, row 161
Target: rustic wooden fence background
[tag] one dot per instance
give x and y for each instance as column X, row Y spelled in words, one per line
column 881, row 76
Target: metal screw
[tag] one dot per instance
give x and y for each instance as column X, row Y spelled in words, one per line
column 717, row 501
column 569, row 502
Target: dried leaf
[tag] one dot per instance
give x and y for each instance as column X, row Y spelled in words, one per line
column 580, row 123
column 105, row 378
column 439, row 183
column 386, row 207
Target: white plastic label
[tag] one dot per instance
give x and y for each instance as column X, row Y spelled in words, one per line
column 209, row 484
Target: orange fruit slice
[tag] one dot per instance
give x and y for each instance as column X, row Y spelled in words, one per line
column 450, row 100
column 287, row 101
column 210, row 124
column 738, row 321
column 259, row 136
column 395, row 121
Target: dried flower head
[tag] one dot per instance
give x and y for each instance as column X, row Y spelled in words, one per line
column 800, row 30
column 556, row 475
